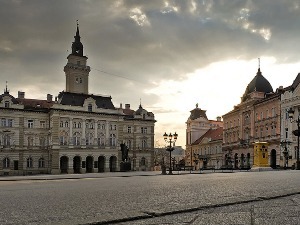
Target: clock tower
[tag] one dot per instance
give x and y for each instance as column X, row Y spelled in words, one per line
column 76, row 70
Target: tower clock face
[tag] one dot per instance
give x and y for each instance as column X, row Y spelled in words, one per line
column 78, row 80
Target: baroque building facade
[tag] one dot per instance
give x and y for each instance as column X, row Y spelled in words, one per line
column 290, row 99
column 203, row 144
column 255, row 119
column 77, row 132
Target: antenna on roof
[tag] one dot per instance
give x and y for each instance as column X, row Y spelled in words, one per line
column 6, row 91
column 258, row 63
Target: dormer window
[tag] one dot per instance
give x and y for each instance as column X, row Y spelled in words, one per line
column 6, row 104
column 90, row 107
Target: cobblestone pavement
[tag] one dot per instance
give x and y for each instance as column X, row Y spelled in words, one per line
column 149, row 198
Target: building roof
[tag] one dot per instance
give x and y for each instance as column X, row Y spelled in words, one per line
column 213, row 134
column 75, row 99
column 35, row 103
column 259, row 83
column 296, row 82
column 6, row 93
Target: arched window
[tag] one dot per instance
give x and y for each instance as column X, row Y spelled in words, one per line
column 6, row 163
column 29, row 162
column 144, row 143
column 89, row 139
column 79, row 125
column 41, row 163
column 74, row 125
column 61, row 124
column 6, row 140
column 76, row 138
column 66, row 124
column 101, row 140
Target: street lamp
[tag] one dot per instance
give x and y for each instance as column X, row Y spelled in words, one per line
column 196, row 160
column 170, row 139
column 296, row 133
column 285, row 152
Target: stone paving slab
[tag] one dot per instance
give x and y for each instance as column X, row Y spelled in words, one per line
column 279, row 211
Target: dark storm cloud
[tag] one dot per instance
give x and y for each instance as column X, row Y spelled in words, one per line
column 144, row 41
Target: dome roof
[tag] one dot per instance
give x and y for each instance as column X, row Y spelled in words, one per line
column 197, row 112
column 259, row 83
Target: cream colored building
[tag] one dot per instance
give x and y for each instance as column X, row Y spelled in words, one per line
column 290, row 98
column 77, row 132
column 198, row 125
column 207, row 150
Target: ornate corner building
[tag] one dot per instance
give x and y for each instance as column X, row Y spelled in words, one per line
column 77, row 132
column 255, row 119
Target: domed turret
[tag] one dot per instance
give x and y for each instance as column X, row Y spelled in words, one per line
column 259, row 83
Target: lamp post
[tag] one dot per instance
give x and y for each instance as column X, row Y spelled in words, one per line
column 170, row 139
column 285, row 152
column 296, row 133
column 196, row 160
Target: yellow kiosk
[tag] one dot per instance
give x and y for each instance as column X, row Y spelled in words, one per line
column 261, row 156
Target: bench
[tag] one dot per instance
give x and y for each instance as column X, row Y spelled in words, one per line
column 183, row 168
column 247, row 168
column 226, row 167
column 212, row 168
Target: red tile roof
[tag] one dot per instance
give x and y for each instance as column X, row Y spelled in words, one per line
column 213, row 134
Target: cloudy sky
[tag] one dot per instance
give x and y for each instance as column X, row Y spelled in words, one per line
column 169, row 54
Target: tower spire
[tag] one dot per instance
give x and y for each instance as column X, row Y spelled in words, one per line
column 77, row 47
column 258, row 71
column 77, row 36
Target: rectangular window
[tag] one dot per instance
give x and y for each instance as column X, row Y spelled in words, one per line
column 30, row 123
column 10, row 122
column 129, row 130
column 144, row 130
column 6, row 104
column 42, row 124
column 3, row 122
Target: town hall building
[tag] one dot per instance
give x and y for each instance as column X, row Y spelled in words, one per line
column 77, row 132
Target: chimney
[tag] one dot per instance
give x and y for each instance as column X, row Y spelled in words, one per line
column 21, row 94
column 219, row 118
column 121, row 106
column 127, row 106
column 49, row 98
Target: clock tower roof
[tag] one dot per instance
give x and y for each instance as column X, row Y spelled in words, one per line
column 77, row 47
